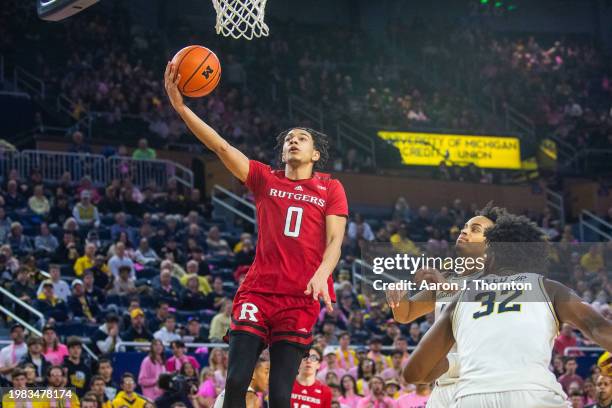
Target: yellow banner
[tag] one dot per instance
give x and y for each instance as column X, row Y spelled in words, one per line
column 429, row 149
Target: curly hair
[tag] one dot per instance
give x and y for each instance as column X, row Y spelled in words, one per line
column 517, row 243
column 492, row 212
column 320, row 140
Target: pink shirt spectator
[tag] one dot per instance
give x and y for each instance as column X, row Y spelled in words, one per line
column 173, row 364
column 207, row 389
column 219, row 379
column 147, row 378
column 412, row 400
column 390, row 373
column 370, row 402
column 322, row 373
column 56, row 357
column 350, row 402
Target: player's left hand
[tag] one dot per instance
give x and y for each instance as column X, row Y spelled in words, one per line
column 317, row 287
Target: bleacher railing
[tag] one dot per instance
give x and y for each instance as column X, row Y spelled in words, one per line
column 597, row 225
column 233, row 203
column 100, row 169
column 569, row 351
column 555, row 201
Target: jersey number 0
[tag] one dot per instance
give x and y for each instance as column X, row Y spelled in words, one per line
column 292, row 228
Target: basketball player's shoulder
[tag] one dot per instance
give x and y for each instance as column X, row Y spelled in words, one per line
column 326, row 182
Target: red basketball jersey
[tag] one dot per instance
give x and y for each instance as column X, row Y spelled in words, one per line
column 291, row 221
column 317, row 395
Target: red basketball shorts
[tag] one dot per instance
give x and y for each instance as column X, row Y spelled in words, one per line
column 275, row 318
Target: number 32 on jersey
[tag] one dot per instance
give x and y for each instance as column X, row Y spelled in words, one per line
column 293, row 222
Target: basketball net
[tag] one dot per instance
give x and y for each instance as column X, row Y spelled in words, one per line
column 241, row 18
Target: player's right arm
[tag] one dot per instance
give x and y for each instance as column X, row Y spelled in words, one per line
column 235, row 161
column 573, row 310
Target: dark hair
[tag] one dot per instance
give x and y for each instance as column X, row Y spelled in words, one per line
column 568, row 359
column 397, row 352
column 74, row 341
column 164, row 380
column 105, row 360
column 112, row 318
column 516, row 243
column 95, row 378
column 17, row 372
column 91, row 397
column 343, row 390
column 360, row 367
column 317, row 350
column 320, row 141
column 127, row 375
column 162, row 355
column 54, row 367
column 491, row 212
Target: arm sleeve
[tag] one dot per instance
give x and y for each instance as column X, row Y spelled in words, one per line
column 336, row 200
column 256, row 179
column 105, row 345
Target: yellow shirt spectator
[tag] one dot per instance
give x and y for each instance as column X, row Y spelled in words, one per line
column 404, row 245
column 131, row 401
column 592, row 261
column 203, row 285
column 82, row 264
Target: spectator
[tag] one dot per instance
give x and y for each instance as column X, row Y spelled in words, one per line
column 570, row 375
column 330, row 365
column 358, row 228
column 120, row 226
column 19, row 243
column 565, row 339
column 60, row 211
column 162, row 311
column 110, row 204
column 91, row 291
column 604, row 392
column 53, row 350
column 151, row 368
column 57, row 382
column 77, row 367
column 207, row 392
column 192, row 298
column 35, row 357
column 98, row 387
column 376, row 397
column 120, row 259
column 576, row 398
column 13, row 200
column 194, row 331
column 145, row 255
column 127, row 397
column 85, row 213
column 11, row 355
column 402, row 243
column 216, row 245
column 86, row 261
column 221, row 322
column 45, row 243
column 101, row 273
column 105, row 370
column 5, row 225
column 19, row 383
column 395, row 371
column 593, row 260
column 166, row 291
column 179, row 358
column 375, row 354
column 50, row 305
column 38, row 203
column 192, row 272
column 83, row 308
column 414, row 334
column 346, row 357
column 78, row 144
column 67, row 252
column 106, row 338
column 144, row 152
column 167, row 332
column 137, row 332
column 418, row 398
column 22, row 287
column 348, row 387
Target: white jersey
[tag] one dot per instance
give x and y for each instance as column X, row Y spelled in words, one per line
column 443, row 299
column 221, row 398
column 505, row 338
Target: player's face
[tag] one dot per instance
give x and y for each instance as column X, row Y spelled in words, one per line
column 261, row 376
column 604, row 388
column 471, row 240
column 310, row 365
column 298, row 148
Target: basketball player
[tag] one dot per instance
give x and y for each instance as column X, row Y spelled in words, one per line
column 308, row 392
column 259, row 384
column 505, row 338
column 470, row 243
column 301, row 216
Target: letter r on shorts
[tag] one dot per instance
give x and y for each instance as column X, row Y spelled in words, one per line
column 248, row 309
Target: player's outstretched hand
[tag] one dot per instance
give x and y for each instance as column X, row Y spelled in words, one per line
column 317, row 288
column 171, row 80
column 394, row 297
column 429, row 275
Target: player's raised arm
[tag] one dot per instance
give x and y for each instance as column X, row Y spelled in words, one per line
column 573, row 310
column 406, row 310
column 428, row 361
column 235, row 161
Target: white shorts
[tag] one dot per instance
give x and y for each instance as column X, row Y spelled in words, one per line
column 513, row 399
column 442, row 396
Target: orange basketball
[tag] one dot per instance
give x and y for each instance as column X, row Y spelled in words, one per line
column 200, row 70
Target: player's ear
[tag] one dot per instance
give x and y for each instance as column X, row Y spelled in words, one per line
column 316, row 155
